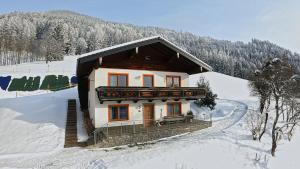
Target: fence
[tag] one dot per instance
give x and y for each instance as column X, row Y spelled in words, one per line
column 134, row 132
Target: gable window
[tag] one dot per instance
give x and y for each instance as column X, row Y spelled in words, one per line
column 173, row 81
column 148, row 80
column 174, row 109
column 118, row 112
column 120, row 80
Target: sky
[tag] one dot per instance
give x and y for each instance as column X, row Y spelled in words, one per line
column 237, row 20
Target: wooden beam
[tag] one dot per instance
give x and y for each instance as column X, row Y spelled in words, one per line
column 134, row 53
column 100, row 61
column 136, row 50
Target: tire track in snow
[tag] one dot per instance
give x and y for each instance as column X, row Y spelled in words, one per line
column 218, row 128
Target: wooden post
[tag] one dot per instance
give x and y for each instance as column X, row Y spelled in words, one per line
column 107, row 132
column 95, row 135
column 121, row 129
column 133, row 126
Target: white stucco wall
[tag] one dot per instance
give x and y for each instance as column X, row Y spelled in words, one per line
column 135, row 77
column 99, row 112
column 135, row 112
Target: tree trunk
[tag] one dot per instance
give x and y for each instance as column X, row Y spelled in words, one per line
column 274, row 132
column 262, row 104
column 265, row 126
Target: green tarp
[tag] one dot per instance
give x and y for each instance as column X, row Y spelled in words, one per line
column 52, row 82
column 24, row 84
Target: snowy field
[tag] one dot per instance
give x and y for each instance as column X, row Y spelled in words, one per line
column 32, row 132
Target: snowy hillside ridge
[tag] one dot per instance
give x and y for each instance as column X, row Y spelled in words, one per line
column 226, row 87
column 68, row 33
column 64, row 67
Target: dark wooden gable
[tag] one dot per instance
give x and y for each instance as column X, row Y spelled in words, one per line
column 151, row 57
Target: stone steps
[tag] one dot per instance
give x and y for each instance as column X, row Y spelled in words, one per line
column 71, row 125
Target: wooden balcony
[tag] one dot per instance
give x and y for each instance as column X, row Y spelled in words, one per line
column 135, row 94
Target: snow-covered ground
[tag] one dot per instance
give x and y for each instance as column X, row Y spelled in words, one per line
column 32, row 133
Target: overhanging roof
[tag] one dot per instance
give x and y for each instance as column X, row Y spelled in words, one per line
column 87, row 57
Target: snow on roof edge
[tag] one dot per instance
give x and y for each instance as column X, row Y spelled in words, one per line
column 192, row 57
column 117, row 46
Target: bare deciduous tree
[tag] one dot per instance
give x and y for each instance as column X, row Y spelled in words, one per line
column 276, row 81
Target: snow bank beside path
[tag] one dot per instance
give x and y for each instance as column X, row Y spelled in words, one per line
column 33, row 124
column 287, row 155
column 223, row 109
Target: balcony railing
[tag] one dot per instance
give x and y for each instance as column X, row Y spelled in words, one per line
column 106, row 93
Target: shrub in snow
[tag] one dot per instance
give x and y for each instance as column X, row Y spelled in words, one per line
column 209, row 99
column 190, row 113
column 255, row 123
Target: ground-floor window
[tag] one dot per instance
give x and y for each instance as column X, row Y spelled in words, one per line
column 174, row 108
column 118, row 112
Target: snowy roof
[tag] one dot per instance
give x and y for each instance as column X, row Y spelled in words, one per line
column 141, row 42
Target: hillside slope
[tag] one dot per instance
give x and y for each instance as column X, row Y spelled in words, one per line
column 226, row 87
column 51, row 35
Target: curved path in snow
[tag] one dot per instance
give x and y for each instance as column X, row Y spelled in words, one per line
column 238, row 113
column 220, row 126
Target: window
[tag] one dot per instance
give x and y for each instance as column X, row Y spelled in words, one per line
column 148, row 80
column 118, row 112
column 174, row 109
column 173, row 81
column 118, row 80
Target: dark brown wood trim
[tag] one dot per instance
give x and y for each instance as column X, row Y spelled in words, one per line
column 116, row 74
column 172, row 76
column 118, row 105
column 153, row 85
column 174, row 103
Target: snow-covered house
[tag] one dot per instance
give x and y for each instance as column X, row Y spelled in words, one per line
column 137, row 82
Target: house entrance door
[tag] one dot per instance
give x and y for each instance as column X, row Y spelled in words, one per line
column 148, row 115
